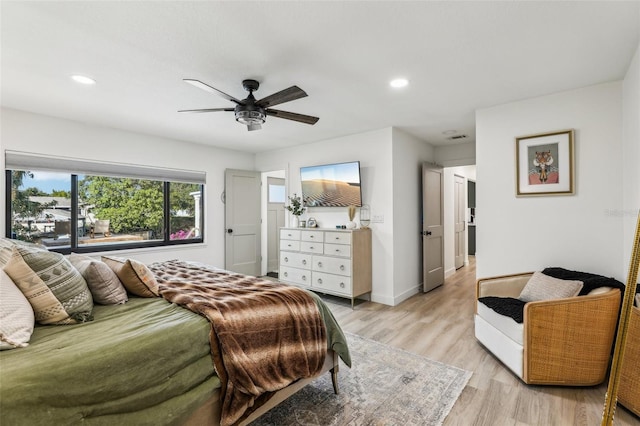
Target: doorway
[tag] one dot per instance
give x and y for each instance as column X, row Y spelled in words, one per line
column 273, row 218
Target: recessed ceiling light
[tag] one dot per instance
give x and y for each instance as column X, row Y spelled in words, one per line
column 399, row 82
column 449, row 132
column 83, row 79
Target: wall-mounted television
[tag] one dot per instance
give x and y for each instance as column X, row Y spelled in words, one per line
column 331, row 185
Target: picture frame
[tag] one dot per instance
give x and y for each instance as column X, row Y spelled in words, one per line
column 545, row 164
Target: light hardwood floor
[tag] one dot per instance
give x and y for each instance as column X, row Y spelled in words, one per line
column 439, row 326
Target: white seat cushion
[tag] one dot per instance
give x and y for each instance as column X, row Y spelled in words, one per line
column 504, row 348
column 503, row 323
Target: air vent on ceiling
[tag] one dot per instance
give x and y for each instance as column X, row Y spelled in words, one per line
column 457, row 137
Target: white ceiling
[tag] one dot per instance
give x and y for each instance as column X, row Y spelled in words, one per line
column 458, row 56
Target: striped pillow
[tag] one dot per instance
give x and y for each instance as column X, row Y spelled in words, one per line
column 47, row 309
column 64, row 281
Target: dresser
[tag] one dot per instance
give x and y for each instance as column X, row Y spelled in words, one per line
column 332, row 261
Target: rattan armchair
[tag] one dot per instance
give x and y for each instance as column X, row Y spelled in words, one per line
column 560, row 342
column 629, row 388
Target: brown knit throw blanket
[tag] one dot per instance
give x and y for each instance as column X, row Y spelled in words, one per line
column 265, row 335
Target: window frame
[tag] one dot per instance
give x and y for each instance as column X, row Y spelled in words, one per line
column 74, row 247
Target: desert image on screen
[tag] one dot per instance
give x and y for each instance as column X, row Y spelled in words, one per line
column 335, row 185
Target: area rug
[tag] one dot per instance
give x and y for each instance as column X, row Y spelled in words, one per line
column 386, row 386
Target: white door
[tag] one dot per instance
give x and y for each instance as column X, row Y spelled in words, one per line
column 432, row 227
column 275, row 220
column 460, row 220
column 242, row 221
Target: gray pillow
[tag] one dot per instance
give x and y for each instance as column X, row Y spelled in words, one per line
column 104, row 284
column 544, row 287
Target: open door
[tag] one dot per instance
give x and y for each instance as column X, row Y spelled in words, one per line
column 275, row 220
column 460, row 220
column 242, row 221
column 432, row 226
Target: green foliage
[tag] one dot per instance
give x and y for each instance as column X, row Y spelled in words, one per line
column 130, row 204
column 61, row 193
column 21, row 207
column 180, row 198
column 295, row 205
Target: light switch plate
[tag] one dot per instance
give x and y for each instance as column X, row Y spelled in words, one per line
column 377, row 218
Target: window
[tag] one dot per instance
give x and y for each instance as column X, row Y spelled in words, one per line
column 276, row 193
column 84, row 212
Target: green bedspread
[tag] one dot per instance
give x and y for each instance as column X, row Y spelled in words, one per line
column 146, row 362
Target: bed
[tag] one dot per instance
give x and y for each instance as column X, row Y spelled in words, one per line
column 149, row 361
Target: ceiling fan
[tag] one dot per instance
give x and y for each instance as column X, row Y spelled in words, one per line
column 251, row 112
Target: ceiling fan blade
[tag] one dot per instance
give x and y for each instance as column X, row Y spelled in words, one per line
column 207, row 110
column 286, row 95
column 307, row 119
column 206, row 87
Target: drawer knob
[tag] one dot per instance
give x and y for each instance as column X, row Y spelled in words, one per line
column 319, row 280
column 304, row 278
column 288, row 245
column 304, row 261
column 311, row 247
column 337, row 238
column 319, row 264
column 286, row 274
column 286, row 259
column 341, row 285
column 310, row 236
column 342, row 267
column 337, row 250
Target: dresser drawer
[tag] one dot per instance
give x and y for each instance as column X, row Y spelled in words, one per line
column 290, row 245
column 295, row 275
column 289, row 234
column 311, row 247
column 295, row 260
column 337, row 237
column 312, row 236
column 341, row 250
column 332, row 265
column 332, row 283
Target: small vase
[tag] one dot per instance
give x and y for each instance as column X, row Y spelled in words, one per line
column 295, row 221
column 351, row 225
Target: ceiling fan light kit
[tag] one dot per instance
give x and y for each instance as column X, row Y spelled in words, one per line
column 251, row 112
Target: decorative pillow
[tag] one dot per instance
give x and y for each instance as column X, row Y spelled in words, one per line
column 544, row 287
column 63, row 279
column 135, row 276
column 104, row 284
column 590, row 281
column 7, row 244
column 46, row 307
column 16, row 315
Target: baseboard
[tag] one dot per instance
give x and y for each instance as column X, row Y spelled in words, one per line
column 449, row 272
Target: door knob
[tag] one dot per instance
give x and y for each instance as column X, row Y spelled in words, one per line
column 229, row 231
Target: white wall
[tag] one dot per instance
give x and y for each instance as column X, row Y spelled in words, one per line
column 408, row 155
column 630, row 155
column 373, row 150
column 529, row 233
column 23, row 131
column 461, row 154
column 468, row 173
